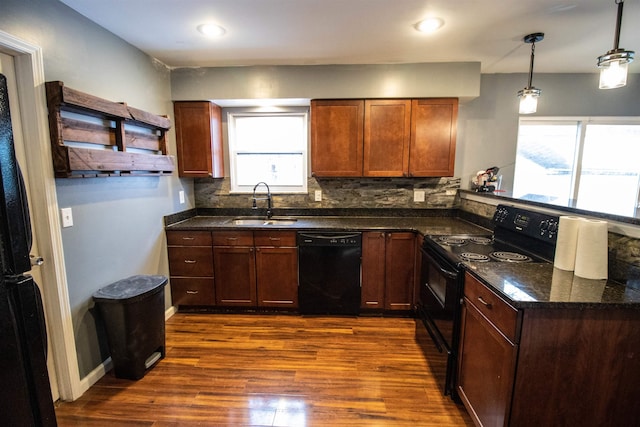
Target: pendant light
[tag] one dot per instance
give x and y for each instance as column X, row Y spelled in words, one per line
column 529, row 95
column 613, row 64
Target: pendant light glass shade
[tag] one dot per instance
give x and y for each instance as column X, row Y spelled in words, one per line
column 614, row 64
column 529, row 95
column 529, row 100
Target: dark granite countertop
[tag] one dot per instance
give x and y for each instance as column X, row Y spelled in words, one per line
column 540, row 285
column 524, row 285
column 424, row 225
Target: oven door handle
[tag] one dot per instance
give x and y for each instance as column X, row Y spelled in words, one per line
column 449, row 274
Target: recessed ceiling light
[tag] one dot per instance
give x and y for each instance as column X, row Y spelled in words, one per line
column 211, row 30
column 429, row 25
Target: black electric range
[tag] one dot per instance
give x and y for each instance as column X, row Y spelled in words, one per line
column 519, row 235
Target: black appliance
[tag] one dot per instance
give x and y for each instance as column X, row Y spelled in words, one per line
column 25, row 393
column 519, row 235
column 329, row 272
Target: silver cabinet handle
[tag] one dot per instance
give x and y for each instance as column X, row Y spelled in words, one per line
column 190, row 261
column 188, row 238
column 192, row 292
column 483, row 302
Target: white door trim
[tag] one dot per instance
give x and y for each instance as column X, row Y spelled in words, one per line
column 30, row 79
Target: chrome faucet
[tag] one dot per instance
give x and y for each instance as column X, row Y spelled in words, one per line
column 268, row 198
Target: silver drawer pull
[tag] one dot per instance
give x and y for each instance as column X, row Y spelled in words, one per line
column 192, row 292
column 275, row 239
column 190, row 261
column 483, row 302
column 232, row 239
column 188, row 238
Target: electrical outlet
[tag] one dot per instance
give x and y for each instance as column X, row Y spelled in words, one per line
column 67, row 217
column 318, row 195
column 450, row 192
column 418, row 195
column 181, row 196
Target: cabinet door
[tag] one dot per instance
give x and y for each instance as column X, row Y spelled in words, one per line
column 387, row 133
column 433, row 137
column 199, row 139
column 235, row 276
column 399, row 271
column 486, row 369
column 277, row 276
column 373, row 269
column 336, row 137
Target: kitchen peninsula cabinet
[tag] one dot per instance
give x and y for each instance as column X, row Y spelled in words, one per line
column 199, row 139
column 385, row 137
column 191, row 268
column 276, row 269
column 561, row 365
column 388, row 270
column 235, row 269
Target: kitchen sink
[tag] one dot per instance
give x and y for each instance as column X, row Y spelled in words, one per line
column 263, row 221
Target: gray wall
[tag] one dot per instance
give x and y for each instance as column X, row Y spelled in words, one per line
column 118, row 226
column 488, row 125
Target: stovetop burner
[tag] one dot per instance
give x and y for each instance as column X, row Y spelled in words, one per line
column 510, row 256
column 475, row 257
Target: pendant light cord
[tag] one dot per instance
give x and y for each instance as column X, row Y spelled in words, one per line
column 616, row 40
column 533, row 54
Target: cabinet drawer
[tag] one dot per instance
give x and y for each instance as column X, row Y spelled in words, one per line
column 191, row 261
column 233, row 238
column 274, row 238
column 499, row 312
column 188, row 291
column 188, row 238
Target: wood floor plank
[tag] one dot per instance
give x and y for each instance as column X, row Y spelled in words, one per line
column 278, row 370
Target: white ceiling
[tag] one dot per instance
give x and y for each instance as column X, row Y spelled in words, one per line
column 304, row 32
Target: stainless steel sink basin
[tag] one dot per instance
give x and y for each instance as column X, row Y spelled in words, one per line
column 263, row 221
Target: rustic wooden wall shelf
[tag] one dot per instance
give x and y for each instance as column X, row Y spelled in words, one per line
column 92, row 137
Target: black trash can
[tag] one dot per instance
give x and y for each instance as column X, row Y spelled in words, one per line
column 133, row 313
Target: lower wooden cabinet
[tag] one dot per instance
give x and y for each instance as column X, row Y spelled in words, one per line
column 388, row 270
column 256, row 269
column 191, row 268
column 547, row 365
column 235, row 268
column 487, row 359
column 276, row 269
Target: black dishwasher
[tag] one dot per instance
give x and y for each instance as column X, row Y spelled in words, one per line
column 329, row 269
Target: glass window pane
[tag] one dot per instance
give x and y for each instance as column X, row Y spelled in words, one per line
column 278, row 170
column 610, row 169
column 269, row 133
column 544, row 162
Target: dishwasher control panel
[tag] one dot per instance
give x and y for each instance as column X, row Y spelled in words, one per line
column 330, row 239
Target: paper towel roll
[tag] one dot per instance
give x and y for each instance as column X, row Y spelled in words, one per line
column 561, row 281
column 591, row 251
column 567, row 240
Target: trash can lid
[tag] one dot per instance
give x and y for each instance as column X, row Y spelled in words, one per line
column 131, row 287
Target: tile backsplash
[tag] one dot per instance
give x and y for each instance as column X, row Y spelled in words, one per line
column 340, row 193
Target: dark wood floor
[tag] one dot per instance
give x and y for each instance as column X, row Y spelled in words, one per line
column 278, row 370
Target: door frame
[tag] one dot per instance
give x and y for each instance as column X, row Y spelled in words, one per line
column 29, row 67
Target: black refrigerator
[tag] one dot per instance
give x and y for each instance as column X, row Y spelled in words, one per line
column 25, row 393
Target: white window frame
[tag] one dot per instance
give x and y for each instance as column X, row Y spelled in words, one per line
column 581, row 123
column 302, row 112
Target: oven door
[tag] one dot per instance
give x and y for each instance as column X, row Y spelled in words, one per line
column 440, row 287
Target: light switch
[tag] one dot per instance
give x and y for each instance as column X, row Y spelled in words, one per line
column 181, row 196
column 418, row 195
column 67, row 217
column 318, row 195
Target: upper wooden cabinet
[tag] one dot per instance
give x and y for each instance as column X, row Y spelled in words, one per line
column 199, row 139
column 386, row 137
column 336, row 137
column 387, row 132
column 433, row 137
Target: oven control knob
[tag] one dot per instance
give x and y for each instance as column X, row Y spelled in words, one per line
column 544, row 226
